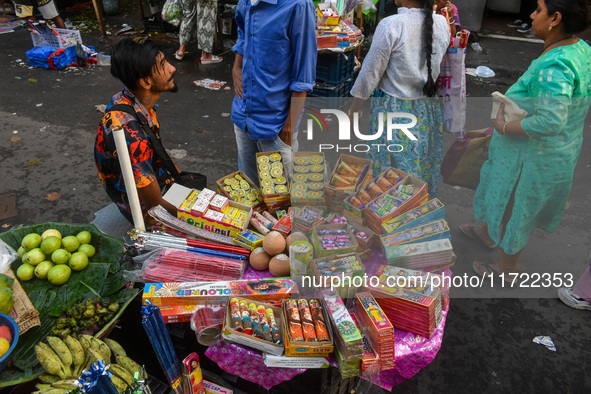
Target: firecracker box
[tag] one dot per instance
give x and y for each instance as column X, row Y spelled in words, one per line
column 192, row 375
column 370, row 363
column 274, row 199
column 307, row 182
column 184, row 198
column 229, row 333
column 346, row 265
column 318, row 236
column 427, row 232
column 306, row 348
column 375, row 219
column 364, row 236
column 431, row 211
column 331, row 20
column 228, row 188
column 372, row 190
column 334, row 195
column 190, row 293
column 212, row 388
column 273, row 361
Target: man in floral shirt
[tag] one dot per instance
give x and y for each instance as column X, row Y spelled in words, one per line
column 144, row 71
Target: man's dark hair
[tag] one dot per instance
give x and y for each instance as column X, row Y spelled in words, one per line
column 576, row 14
column 133, row 59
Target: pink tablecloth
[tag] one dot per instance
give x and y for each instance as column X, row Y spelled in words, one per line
column 248, row 364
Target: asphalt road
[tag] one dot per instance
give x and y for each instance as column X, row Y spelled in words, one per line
column 487, row 345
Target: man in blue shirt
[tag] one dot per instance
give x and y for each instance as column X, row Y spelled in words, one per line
column 275, row 62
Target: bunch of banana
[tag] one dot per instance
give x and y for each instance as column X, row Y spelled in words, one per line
column 64, row 361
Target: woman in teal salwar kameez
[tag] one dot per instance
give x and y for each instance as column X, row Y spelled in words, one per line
column 527, row 179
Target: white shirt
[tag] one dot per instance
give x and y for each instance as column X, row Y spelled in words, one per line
column 396, row 62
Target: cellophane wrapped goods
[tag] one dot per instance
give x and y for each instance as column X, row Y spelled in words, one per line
column 174, row 265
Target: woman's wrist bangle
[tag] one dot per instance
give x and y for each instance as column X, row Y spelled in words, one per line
column 505, row 128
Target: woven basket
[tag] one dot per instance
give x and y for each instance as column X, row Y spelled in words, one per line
column 23, row 312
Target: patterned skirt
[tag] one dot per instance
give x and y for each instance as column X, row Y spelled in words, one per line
column 421, row 157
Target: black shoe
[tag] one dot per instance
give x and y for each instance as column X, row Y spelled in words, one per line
column 515, row 23
column 525, row 28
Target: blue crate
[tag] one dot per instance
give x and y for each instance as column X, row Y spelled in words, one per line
column 335, row 68
column 326, row 95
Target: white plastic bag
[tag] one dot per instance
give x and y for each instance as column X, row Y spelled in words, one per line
column 7, row 256
column 172, row 12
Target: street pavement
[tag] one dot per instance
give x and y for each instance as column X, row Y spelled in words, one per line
column 487, row 346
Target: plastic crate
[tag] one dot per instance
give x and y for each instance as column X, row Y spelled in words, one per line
column 335, row 68
column 67, row 38
column 326, row 95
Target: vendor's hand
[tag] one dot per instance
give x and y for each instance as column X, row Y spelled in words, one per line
column 499, row 121
column 237, row 77
column 286, row 134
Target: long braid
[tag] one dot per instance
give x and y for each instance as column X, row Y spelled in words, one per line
column 430, row 89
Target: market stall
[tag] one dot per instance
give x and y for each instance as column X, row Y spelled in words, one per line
column 311, row 270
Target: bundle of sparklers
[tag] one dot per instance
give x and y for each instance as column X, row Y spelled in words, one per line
column 175, row 259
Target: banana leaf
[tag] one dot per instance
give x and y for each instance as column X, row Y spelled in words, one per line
column 103, row 275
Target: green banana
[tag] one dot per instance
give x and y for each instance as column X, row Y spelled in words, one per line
column 78, row 354
column 50, row 361
column 121, row 373
column 42, row 387
column 65, row 385
column 115, row 347
column 62, row 351
column 119, row 384
column 84, row 341
column 47, row 378
column 131, row 366
column 106, row 351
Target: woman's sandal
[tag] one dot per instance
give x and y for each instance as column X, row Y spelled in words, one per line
column 470, row 231
column 214, row 59
column 480, row 268
column 179, row 57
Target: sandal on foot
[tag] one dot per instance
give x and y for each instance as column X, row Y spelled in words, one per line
column 480, row 268
column 179, row 56
column 214, row 59
column 470, row 230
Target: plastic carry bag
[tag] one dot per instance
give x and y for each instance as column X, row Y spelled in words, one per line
column 7, row 256
column 451, row 88
column 172, row 12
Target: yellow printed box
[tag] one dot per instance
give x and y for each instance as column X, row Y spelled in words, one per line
column 182, row 197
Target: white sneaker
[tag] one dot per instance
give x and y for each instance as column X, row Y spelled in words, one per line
column 515, row 23
column 567, row 296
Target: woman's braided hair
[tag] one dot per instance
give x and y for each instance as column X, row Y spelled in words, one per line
column 430, row 88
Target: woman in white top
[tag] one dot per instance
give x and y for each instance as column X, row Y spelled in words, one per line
column 401, row 76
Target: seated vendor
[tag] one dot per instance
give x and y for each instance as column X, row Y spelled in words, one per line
column 144, row 71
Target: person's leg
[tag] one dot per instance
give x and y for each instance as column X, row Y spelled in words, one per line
column 578, row 297
column 188, row 27
column 49, row 11
column 206, row 18
column 247, row 150
column 508, row 263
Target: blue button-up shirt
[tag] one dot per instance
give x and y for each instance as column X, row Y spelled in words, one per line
column 277, row 39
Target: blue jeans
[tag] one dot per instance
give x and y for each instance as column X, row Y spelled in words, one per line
column 247, row 150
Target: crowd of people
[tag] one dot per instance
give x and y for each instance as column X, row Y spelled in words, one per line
column 525, row 183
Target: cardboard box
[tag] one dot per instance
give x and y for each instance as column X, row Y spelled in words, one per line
column 275, row 200
column 258, row 206
column 271, row 360
column 212, row 388
column 370, row 191
column 229, row 334
column 374, row 221
column 307, row 187
column 317, row 240
column 182, row 294
column 333, row 195
column 303, row 348
column 364, row 242
column 431, row 211
column 427, row 232
column 181, row 196
column 331, row 20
